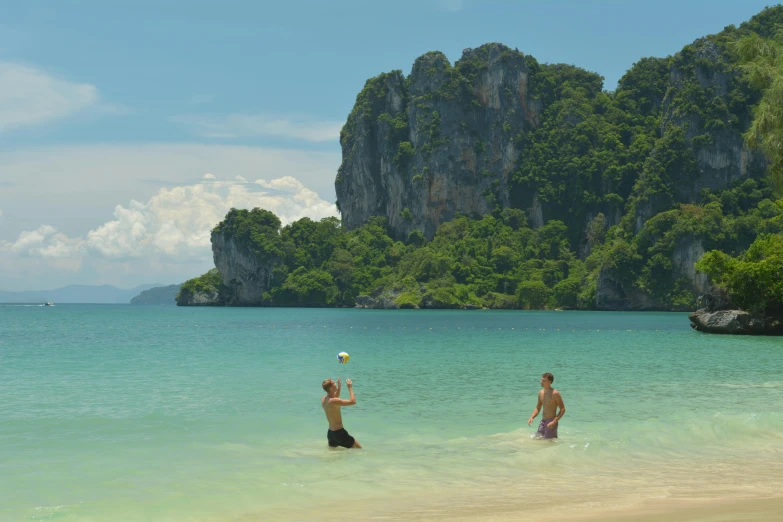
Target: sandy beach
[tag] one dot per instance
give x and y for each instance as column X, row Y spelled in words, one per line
column 696, row 511
column 756, row 510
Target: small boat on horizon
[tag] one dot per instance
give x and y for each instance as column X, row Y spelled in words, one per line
column 48, row 303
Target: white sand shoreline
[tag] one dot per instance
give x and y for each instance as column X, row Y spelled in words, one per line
column 739, row 510
column 694, row 510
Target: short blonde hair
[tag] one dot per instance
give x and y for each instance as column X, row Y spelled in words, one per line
column 327, row 384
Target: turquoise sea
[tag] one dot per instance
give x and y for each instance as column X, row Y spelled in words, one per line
column 115, row 412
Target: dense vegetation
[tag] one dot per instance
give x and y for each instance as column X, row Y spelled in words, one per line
column 762, row 62
column 494, row 262
column 754, row 279
column 617, row 174
column 209, row 284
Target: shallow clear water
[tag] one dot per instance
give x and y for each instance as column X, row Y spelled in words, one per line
column 163, row 413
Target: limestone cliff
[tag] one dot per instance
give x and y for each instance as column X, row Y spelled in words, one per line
column 206, row 290
column 707, row 107
column 444, row 141
column 614, row 293
column 246, row 249
column 715, row 132
column 246, row 276
column 199, row 298
column 420, row 150
column 590, row 198
column 485, row 134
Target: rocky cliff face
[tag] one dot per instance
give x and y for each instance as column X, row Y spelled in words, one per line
column 632, row 176
column 419, row 151
column 244, row 275
column 708, row 102
column 211, row 298
column 422, row 149
column 444, row 141
column 612, row 294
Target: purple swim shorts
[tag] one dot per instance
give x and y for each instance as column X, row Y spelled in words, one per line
column 545, row 432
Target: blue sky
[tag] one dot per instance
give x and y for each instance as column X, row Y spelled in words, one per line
column 112, row 113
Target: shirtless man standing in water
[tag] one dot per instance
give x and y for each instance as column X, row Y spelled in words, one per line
column 550, row 399
column 331, row 403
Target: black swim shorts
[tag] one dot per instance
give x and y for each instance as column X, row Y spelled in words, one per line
column 339, row 438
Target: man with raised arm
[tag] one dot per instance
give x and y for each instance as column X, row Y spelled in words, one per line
column 550, row 399
column 331, row 403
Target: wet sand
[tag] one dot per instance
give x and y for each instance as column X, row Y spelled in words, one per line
column 668, row 510
column 696, row 511
column 745, row 510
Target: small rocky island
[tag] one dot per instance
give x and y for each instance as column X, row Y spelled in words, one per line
column 717, row 315
column 747, row 294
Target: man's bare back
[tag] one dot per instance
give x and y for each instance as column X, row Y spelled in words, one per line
column 332, row 404
column 333, row 413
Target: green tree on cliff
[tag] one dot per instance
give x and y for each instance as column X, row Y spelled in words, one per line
column 754, row 279
column 762, row 63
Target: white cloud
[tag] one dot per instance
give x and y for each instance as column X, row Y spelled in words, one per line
column 93, row 178
column 124, row 237
column 177, row 222
column 252, row 125
column 77, row 188
column 30, row 96
column 32, row 239
column 170, row 233
column 45, row 241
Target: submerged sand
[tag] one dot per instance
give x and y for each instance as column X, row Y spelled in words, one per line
column 558, row 510
column 770, row 509
column 756, row 510
column 698, row 511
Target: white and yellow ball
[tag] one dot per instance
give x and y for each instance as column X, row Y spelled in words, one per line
column 343, row 358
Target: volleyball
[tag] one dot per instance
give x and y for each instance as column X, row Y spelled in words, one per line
column 343, row 358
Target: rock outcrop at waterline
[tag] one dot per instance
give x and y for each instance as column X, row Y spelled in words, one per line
column 717, row 316
column 205, row 290
column 734, row 322
column 198, row 298
column 245, row 276
column 245, row 249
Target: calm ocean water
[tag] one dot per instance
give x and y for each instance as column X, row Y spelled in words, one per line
column 114, row 412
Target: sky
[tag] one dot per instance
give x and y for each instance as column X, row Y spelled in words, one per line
column 129, row 129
